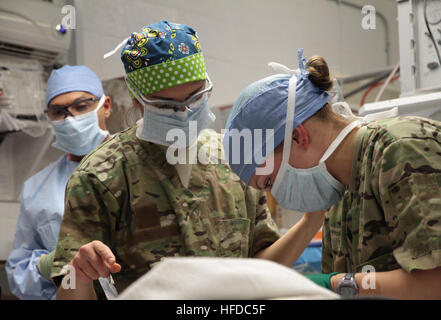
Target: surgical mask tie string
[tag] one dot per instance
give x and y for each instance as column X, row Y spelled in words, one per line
column 280, row 68
column 302, row 64
column 111, row 53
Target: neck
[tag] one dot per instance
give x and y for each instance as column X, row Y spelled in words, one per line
column 339, row 163
column 73, row 157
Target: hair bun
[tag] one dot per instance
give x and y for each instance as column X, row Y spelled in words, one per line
column 319, row 73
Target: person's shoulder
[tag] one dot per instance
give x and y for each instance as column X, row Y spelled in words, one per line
column 106, row 165
column 210, row 141
column 410, row 145
column 210, row 151
column 386, row 136
column 110, row 154
column 210, row 136
column 407, row 127
column 33, row 183
column 404, row 134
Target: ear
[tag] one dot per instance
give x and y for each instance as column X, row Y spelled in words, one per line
column 107, row 106
column 300, row 137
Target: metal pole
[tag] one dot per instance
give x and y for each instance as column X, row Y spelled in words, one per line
column 357, row 77
column 381, row 16
column 366, row 85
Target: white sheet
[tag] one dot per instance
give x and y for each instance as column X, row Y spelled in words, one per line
column 205, row 278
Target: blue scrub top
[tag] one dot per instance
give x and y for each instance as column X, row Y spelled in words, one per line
column 41, row 213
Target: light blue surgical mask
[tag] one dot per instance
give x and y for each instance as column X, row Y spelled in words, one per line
column 311, row 189
column 187, row 124
column 80, row 134
column 161, row 126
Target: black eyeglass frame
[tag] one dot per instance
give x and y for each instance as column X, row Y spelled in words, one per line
column 66, row 108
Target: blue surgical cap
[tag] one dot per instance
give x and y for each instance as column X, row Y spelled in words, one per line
column 262, row 105
column 73, row 78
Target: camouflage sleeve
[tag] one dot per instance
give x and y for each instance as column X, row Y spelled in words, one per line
column 333, row 254
column 88, row 215
column 264, row 232
column 410, row 190
column 327, row 257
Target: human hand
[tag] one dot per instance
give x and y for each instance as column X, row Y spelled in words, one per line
column 94, row 260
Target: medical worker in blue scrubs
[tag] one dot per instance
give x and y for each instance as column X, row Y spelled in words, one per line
column 77, row 108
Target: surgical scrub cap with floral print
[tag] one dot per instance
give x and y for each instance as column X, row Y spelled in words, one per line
column 163, row 55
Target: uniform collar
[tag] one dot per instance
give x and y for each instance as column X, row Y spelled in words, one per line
column 183, row 170
column 356, row 158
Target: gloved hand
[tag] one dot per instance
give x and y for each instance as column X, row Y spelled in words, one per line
column 323, row 280
column 44, row 264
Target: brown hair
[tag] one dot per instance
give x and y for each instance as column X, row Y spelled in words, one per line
column 319, row 75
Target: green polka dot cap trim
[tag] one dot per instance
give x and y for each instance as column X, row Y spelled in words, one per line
column 168, row 74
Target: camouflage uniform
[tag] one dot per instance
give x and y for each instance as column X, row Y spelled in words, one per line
column 390, row 217
column 126, row 195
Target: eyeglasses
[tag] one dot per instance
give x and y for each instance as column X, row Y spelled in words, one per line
column 76, row 108
column 171, row 104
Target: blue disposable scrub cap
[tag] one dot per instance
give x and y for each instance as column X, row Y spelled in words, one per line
column 73, row 78
column 262, row 105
